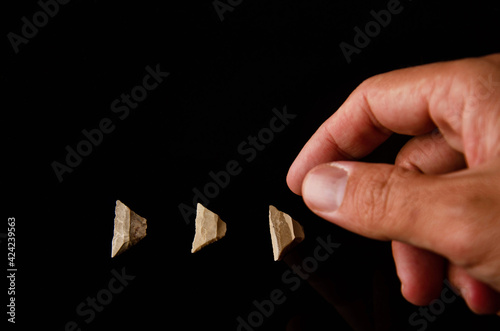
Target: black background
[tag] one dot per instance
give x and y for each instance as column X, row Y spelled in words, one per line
column 225, row 79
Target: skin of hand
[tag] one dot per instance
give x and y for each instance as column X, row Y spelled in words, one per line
column 439, row 203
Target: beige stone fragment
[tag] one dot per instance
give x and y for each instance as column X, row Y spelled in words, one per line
column 130, row 228
column 286, row 233
column 209, row 228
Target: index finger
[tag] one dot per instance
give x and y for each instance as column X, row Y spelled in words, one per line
column 410, row 101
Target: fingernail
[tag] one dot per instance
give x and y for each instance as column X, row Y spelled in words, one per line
column 324, row 187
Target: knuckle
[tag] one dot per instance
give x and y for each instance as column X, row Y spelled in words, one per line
column 461, row 247
column 374, row 203
column 412, row 159
column 382, row 199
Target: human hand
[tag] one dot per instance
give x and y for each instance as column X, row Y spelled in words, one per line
column 440, row 202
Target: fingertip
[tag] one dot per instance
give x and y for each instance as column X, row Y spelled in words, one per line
column 413, row 295
column 417, row 294
column 421, row 273
column 481, row 299
column 294, row 183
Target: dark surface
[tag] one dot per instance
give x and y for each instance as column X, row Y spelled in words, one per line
column 225, row 79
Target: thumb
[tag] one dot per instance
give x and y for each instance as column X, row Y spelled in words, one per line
column 387, row 202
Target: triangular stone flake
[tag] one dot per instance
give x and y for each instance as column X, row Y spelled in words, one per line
column 130, row 228
column 286, row 233
column 209, row 228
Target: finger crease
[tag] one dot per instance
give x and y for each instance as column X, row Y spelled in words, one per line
column 373, row 120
